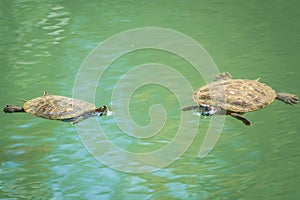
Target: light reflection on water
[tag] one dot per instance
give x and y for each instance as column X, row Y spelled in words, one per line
column 43, row 46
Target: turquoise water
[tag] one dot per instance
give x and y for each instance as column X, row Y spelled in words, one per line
column 43, row 45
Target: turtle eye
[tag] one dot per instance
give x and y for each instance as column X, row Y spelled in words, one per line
column 103, row 108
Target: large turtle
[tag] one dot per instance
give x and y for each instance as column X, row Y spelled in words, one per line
column 226, row 96
column 59, row 108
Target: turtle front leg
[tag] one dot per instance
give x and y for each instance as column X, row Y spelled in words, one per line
column 242, row 118
column 287, row 98
column 78, row 119
column 12, row 109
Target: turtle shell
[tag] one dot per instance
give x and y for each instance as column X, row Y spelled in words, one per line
column 235, row 95
column 57, row 107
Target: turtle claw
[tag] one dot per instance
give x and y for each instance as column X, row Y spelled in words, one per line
column 287, row 98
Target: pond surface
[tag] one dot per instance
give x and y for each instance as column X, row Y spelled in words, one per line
column 43, row 46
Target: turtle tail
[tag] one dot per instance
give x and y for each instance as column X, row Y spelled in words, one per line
column 13, row 108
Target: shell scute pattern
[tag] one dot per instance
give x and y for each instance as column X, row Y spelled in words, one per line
column 57, row 107
column 236, row 95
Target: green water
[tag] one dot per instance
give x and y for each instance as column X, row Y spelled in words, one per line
column 43, row 45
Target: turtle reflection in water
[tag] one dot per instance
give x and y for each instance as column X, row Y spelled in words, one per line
column 59, row 108
column 234, row 97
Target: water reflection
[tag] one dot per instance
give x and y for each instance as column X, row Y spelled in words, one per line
column 43, row 44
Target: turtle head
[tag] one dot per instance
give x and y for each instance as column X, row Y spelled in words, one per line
column 103, row 111
column 206, row 110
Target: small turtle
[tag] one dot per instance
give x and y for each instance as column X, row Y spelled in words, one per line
column 234, row 97
column 60, row 108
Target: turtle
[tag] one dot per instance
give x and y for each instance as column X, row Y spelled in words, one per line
column 234, row 97
column 57, row 107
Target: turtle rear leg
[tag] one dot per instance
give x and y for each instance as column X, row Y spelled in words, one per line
column 287, row 98
column 242, row 118
column 13, row 108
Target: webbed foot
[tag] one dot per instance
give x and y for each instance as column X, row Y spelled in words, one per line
column 287, row 98
column 12, row 109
